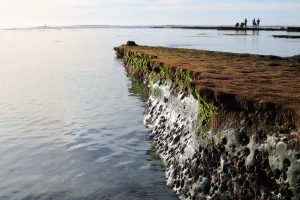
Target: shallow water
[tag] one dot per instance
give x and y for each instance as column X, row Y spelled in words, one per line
column 71, row 120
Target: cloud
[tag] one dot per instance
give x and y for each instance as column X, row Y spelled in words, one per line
column 180, row 5
column 33, row 12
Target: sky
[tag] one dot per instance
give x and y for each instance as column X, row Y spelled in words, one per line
column 20, row 13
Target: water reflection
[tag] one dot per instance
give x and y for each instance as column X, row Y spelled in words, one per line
column 138, row 89
column 71, row 121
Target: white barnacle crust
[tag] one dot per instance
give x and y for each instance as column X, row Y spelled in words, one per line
column 210, row 164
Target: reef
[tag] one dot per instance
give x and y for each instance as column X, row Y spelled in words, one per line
column 293, row 29
column 226, row 125
column 232, row 28
column 287, row 36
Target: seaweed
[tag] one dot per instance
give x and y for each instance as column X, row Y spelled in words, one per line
column 205, row 110
column 137, row 65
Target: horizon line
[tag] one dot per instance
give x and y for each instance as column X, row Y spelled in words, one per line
column 137, row 25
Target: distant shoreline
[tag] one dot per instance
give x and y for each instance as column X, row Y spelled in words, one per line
column 262, row 28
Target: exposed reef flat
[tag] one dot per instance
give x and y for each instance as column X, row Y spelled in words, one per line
column 238, row 82
column 231, row 28
column 287, row 36
column 226, row 125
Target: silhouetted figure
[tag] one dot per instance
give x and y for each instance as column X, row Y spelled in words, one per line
column 245, row 22
column 258, row 21
column 254, row 23
column 237, row 25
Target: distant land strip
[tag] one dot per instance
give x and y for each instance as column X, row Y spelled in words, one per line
column 263, row 28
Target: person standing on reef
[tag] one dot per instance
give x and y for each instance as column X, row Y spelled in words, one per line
column 254, row 23
column 257, row 22
column 245, row 22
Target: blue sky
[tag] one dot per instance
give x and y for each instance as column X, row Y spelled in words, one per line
column 147, row 12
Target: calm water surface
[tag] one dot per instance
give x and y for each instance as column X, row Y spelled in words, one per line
column 71, row 120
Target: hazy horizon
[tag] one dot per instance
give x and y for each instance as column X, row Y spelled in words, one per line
column 126, row 25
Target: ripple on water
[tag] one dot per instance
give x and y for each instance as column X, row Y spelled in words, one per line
column 69, row 126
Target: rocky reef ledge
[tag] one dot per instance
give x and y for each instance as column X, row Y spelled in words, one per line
column 226, row 125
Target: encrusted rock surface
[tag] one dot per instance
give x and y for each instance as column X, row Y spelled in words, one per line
column 221, row 134
column 217, row 165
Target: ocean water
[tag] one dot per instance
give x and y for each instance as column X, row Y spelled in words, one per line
column 71, row 120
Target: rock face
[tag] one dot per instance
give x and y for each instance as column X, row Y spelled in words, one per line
column 215, row 144
column 131, row 43
column 218, row 165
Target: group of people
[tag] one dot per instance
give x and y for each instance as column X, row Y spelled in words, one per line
column 256, row 23
column 244, row 23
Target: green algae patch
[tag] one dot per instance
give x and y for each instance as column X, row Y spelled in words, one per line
column 206, row 110
column 137, row 65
